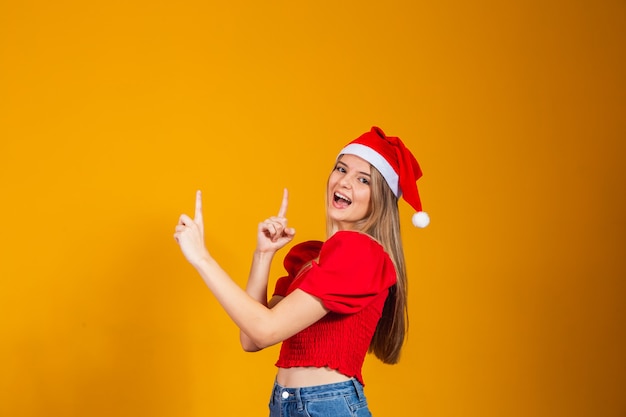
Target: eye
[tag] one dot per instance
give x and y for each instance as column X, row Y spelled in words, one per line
column 340, row 169
column 364, row 180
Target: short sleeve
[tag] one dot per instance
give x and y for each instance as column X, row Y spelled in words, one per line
column 294, row 261
column 352, row 270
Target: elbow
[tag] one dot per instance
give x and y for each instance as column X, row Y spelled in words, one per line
column 258, row 340
column 263, row 339
column 247, row 344
column 260, row 333
column 250, row 347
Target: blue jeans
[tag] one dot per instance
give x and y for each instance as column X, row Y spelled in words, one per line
column 342, row 399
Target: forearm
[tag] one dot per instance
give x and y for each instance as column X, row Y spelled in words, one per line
column 258, row 277
column 256, row 288
column 250, row 314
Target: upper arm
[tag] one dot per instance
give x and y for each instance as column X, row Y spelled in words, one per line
column 290, row 315
column 274, row 300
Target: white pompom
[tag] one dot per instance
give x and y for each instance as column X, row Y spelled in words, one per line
column 421, row 219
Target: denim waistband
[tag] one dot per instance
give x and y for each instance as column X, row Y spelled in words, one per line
column 286, row 394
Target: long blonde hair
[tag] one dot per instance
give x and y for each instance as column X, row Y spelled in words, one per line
column 383, row 224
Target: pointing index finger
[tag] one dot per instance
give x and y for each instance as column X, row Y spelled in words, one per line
column 198, row 214
column 283, row 205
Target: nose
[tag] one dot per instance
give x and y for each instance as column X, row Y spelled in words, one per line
column 345, row 181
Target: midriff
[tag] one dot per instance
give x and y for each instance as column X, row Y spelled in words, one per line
column 298, row 377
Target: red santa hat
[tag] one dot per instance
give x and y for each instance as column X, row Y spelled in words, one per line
column 397, row 165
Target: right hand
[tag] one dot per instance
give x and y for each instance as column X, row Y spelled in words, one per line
column 190, row 234
column 273, row 233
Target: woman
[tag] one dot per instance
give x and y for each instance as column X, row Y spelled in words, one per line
column 342, row 297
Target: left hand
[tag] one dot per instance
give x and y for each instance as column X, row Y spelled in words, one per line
column 190, row 234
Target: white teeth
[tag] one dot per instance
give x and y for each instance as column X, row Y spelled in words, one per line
column 343, row 197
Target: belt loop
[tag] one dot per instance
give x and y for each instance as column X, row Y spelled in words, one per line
column 299, row 400
column 358, row 388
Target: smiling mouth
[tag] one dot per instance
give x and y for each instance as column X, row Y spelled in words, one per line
column 342, row 199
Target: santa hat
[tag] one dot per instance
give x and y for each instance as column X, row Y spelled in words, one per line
column 397, row 165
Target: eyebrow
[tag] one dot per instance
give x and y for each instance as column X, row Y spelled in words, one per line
column 360, row 172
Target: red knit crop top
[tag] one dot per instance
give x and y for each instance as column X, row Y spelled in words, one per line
column 351, row 273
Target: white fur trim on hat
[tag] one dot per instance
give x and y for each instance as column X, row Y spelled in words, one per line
column 377, row 160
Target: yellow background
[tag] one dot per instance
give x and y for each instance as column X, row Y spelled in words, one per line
column 113, row 113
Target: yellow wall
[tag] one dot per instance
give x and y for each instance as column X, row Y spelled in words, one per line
column 113, row 113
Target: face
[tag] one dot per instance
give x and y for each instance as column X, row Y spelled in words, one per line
column 349, row 191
